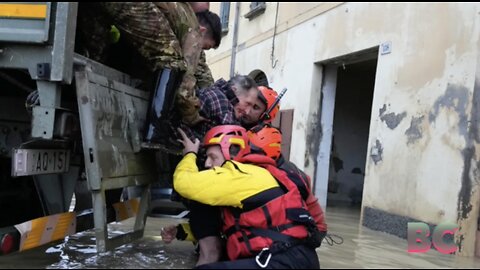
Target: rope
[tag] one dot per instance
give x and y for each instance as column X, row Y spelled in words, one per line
column 332, row 239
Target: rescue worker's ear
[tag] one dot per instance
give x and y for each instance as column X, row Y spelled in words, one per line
column 203, row 30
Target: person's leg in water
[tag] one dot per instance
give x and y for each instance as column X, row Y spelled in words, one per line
column 205, row 226
column 205, row 223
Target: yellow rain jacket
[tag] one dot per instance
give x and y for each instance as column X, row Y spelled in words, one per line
column 227, row 185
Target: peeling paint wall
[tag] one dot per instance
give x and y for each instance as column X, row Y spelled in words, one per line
column 423, row 145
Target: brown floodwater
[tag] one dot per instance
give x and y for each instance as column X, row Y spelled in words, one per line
column 361, row 248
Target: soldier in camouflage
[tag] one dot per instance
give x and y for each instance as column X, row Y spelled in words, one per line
column 168, row 35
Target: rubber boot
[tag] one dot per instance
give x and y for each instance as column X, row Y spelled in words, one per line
column 160, row 133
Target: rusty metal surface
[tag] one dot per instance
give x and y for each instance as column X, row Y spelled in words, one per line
column 111, row 114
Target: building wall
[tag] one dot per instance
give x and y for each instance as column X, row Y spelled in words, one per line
column 422, row 160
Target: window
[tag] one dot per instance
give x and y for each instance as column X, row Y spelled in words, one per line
column 256, row 8
column 255, row 5
column 224, row 15
column 284, row 122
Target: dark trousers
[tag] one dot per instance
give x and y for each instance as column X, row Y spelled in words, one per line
column 297, row 257
column 205, row 220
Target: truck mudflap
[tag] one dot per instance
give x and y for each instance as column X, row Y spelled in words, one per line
column 112, row 118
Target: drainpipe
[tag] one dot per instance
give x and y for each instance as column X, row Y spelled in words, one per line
column 235, row 39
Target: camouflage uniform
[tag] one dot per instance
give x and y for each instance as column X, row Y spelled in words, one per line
column 144, row 25
column 185, row 25
column 203, row 74
column 167, row 35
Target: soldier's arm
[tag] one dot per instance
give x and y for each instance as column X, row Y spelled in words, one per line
column 203, row 74
column 153, row 38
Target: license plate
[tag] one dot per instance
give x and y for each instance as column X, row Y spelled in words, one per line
column 39, row 161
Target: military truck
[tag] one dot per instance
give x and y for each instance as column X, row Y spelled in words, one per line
column 68, row 125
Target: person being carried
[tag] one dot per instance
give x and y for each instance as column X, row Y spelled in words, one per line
column 224, row 103
column 266, row 100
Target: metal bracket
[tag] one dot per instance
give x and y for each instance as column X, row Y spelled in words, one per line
column 43, row 71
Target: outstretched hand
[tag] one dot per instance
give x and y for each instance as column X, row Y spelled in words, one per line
column 168, row 233
column 188, row 145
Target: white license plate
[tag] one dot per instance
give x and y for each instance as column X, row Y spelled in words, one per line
column 39, row 161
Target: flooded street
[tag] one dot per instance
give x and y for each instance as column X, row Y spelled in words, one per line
column 79, row 251
column 361, row 248
column 365, row 248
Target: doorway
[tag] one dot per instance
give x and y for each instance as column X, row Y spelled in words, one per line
column 347, row 95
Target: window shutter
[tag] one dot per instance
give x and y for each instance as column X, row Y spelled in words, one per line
column 224, row 15
column 284, row 122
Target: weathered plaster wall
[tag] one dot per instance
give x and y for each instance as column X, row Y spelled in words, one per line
column 422, row 154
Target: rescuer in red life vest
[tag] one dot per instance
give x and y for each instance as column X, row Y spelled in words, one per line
column 265, row 220
column 267, row 140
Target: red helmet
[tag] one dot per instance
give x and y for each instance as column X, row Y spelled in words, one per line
column 267, row 140
column 268, row 96
column 226, row 136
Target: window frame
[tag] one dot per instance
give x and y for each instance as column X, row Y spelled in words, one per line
column 224, row 16
column 256, row 9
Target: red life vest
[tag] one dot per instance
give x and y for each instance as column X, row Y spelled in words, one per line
column 284, row 217
column 303, row 183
